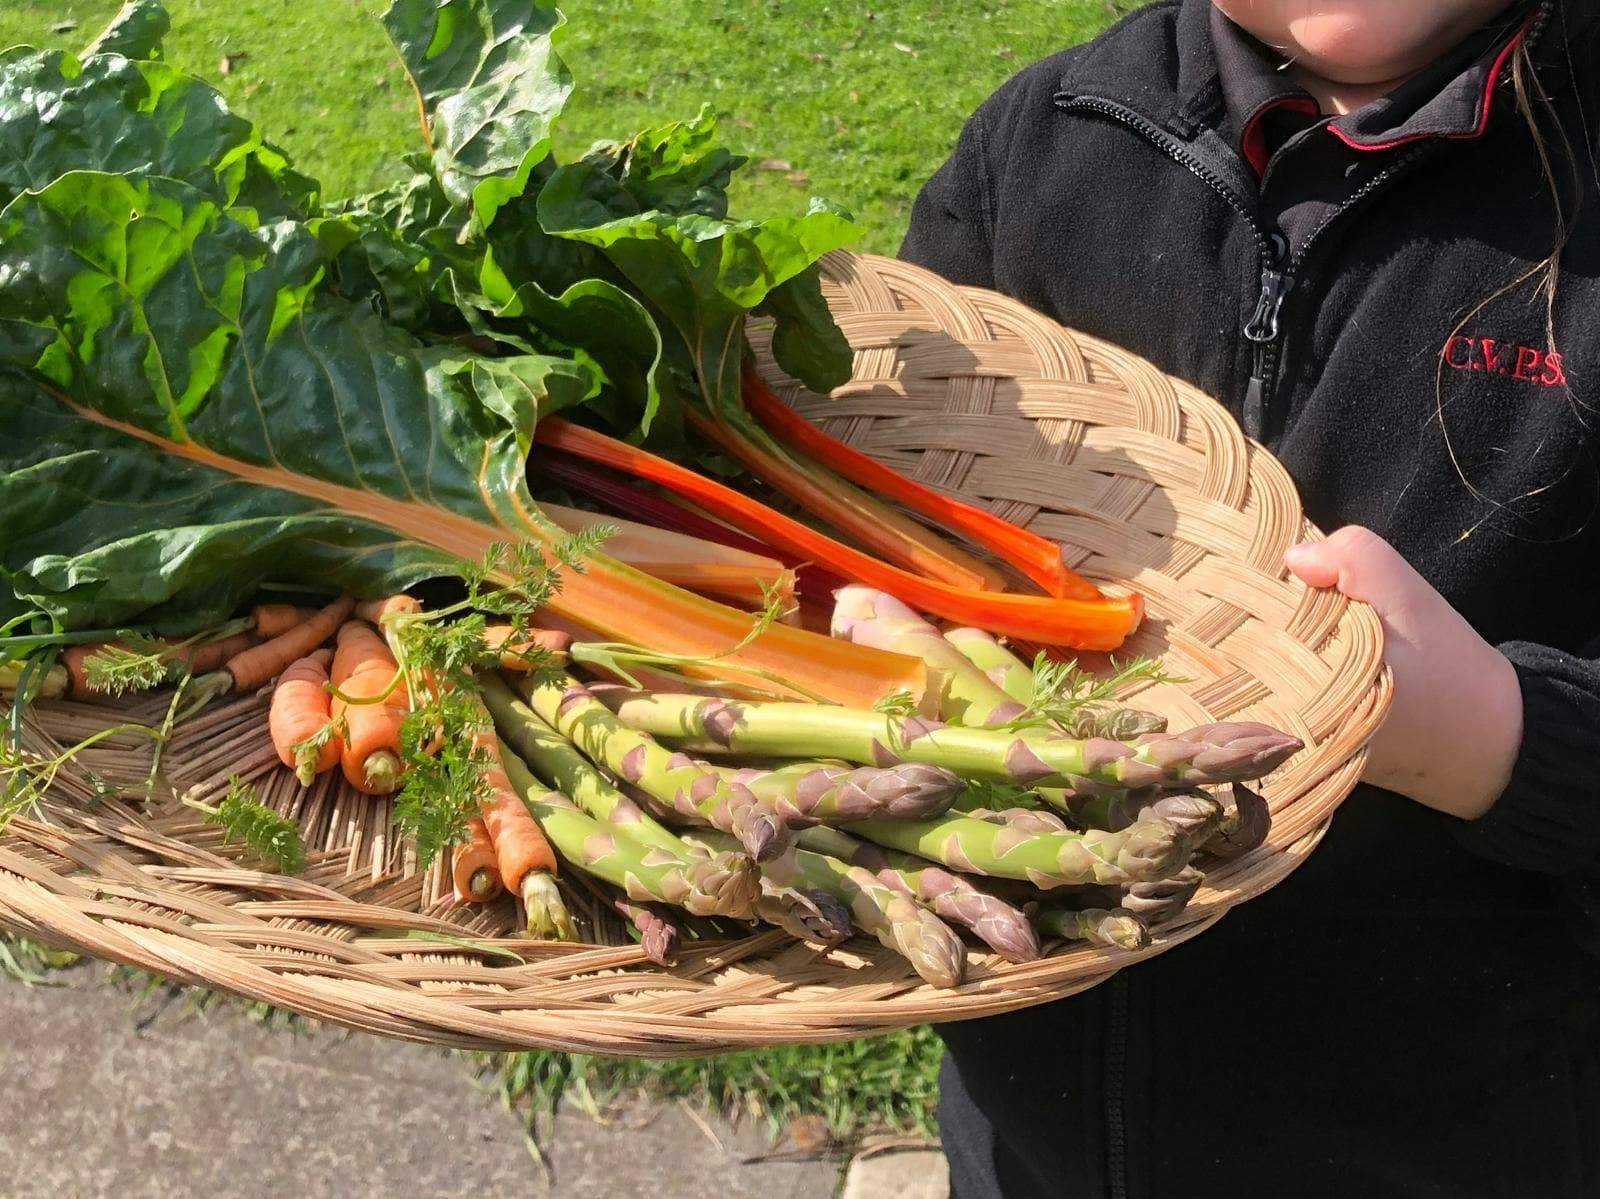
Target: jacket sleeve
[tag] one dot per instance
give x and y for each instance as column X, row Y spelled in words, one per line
column 1548, row 818
column 952, row 222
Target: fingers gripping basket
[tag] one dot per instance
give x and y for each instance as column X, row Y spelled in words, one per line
column 1145, row 482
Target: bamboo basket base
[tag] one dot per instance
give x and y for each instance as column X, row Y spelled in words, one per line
column 1145, row 482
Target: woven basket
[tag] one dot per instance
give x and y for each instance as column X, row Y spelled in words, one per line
column 1145, row 482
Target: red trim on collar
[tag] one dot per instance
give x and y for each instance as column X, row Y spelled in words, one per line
column 1483, row 108
column 1253, row 143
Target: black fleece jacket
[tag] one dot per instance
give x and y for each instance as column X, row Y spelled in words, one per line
column 1390, row 345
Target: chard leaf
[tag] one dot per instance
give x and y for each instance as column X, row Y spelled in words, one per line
column 491, row 87
column 131, row 117
column 699, row 272
column 135, row 32
column 184, row 412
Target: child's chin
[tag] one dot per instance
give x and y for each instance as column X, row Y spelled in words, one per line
column 1368, row 41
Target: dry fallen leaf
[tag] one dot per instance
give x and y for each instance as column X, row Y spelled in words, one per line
column 227, row 62
column 774, row 164
column 905, row 49
column 799, row 178
column 810, row 1134
column 855, row 96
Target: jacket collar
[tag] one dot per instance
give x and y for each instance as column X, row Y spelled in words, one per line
column 1175, row 81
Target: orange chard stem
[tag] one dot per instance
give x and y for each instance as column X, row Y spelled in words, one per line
column 1037, row 557
column 1082, row 624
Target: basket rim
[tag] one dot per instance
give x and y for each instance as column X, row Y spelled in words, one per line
column 161, row 919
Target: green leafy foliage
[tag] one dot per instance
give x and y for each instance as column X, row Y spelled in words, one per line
column 273, row 838
column 1074, row 699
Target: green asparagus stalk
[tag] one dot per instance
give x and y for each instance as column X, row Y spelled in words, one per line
column 1137, row 853
column 673, row 779
column 1030, row 822
column 805, row 913
column 1214, row 753
column 556, row 760
column 1245, row 824
column 896, row 920
column 1195, row 814
column 878, row 620
column 998, row 924
column 1116, row 928
column 703, row 885
column 1015, row 677
column 811, row 793
column 1158, row 902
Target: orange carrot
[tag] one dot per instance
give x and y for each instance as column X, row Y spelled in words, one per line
column 200, row 659
column 300, row 710
column 474, row 869
column 273, row 620
column 256, row 665
column 204, row 658
column 373, row 611
column 517, row 656
column 364, row 669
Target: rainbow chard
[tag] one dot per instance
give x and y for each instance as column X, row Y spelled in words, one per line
column 197, row 395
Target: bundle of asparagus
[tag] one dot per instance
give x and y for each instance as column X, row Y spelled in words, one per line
column 1020, row 814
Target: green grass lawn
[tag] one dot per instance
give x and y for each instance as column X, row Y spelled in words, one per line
column 854, row 101
column 851, row 100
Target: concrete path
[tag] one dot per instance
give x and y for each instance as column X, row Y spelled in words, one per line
column 214, row 1104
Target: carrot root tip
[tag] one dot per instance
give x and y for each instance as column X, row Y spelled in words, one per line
column 482, row 885
column 382, row 771
column 548, row 919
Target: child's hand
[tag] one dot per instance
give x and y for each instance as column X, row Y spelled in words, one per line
column 1452, row 736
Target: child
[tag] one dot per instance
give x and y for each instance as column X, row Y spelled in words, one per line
column 1365, row 226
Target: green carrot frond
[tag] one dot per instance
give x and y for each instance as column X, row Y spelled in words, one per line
column 996, row 797
column 444, row 780
column 1064, row 694
column 897, row 703
column 271, row 837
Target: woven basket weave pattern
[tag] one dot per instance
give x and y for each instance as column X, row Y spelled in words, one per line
column 1144, row 481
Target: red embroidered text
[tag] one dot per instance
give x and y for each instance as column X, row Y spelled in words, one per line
column 1527, row 363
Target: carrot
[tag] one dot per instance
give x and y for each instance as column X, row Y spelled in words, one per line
column 473, row 868
column 527, row 863
column 516, row 656
column 254, row 666
column 364, row 669
column 1037, row 557
column 300, row 710
column 1082, row 624
column 200, row 659
column 204, row 658
column 373, row 611
column 273, row 620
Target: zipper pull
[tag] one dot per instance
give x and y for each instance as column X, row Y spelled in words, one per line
column 1262, row 329
column 1263, row 325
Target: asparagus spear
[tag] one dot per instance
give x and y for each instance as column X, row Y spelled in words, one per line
column 1245, row 824
column 658, row 932
column 896, row 920
column 672, row 778
column 1015, row 677
column 558, row 761
column 1195, row 814
column 804, row 912
column 1137, row 853
column 1158, row 902
column 1115, row 928
column 999, row 925
column 702, row 885
column 809, row 793
column 1213, row 753
column 966, row 695
column 1028, row 821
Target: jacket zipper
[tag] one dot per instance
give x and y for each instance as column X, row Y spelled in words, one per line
column 1264, row 329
